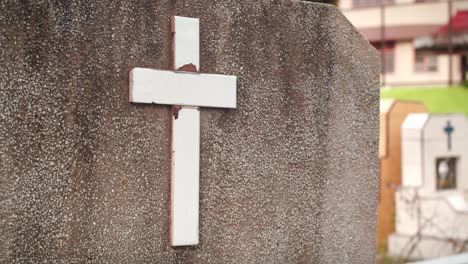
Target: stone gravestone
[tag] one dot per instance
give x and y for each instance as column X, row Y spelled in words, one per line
column 432, row 203
column 288, row 176
column 392, row 115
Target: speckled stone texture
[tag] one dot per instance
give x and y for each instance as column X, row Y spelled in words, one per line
column 290, row 176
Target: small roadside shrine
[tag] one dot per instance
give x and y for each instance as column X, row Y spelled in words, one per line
column 431, row 204
column 392, row 114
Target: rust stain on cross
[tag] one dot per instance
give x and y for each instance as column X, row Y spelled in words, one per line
column 187, row 68
column 175, row 111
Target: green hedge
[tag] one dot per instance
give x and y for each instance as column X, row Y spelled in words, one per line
column 437, row 100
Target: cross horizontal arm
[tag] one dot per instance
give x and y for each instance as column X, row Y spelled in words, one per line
column 181, row 88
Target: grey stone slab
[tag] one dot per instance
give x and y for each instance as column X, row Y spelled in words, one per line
column 290, row 176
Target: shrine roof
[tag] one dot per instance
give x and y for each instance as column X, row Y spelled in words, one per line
column 415, row 121
column 386, row 105
column 420, row 120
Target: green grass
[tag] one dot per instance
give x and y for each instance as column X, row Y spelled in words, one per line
column 437, row 100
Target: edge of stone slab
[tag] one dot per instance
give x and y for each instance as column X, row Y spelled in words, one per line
column 336, row 11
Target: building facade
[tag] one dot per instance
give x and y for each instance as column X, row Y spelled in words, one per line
column 394, row 28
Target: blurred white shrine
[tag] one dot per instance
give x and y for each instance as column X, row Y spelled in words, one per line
column 432, row 202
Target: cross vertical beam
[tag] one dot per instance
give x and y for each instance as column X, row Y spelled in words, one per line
column 185, row 140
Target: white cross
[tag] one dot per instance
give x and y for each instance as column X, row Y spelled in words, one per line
column 185, row 89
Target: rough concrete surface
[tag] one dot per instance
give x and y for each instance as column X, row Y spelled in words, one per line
column 290, row 176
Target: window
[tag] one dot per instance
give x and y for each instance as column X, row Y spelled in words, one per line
column 387, row 64
column 446, row 173
column 425, row 62
column 371, row 3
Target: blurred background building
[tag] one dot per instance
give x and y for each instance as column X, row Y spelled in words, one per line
column 421, row 42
